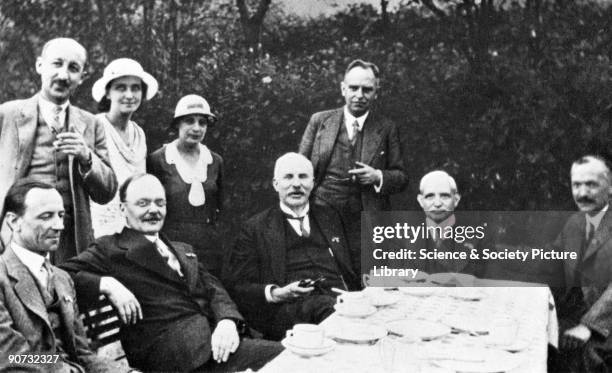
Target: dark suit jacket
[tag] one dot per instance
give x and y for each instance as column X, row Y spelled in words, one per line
column 596, row 272
column 381, row 150
column 178, row 313
column 25, row 327
column 18, row 122
column 259, row 255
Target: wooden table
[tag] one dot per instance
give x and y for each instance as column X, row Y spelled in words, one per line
column 531, row 307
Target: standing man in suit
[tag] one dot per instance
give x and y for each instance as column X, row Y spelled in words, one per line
column 355, row 152
column 177, row 316
column 285, row 244
column 585, row 307
column 48, row 139
column 38, row 312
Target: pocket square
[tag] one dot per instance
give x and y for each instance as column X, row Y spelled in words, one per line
column 190, row 255
column 67, row 298
column 382, row 153
column 336, row 239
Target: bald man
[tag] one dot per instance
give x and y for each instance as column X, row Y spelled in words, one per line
column 49, row 140
column 438, row 197
column 283, row 245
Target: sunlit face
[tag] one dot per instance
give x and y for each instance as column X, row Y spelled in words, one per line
column 437, row 198
column 42, row 222
column 124, row 94
column 590, row 186
column 359, row 90
column 145, row 205
column 293, row 180
column 192, row 128
column 61, row 70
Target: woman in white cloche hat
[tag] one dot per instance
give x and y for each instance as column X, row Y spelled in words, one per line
column 119, row 93
column 192, row 176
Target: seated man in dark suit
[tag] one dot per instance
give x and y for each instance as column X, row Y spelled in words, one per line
column 283, row 245
column 177, row 315
column 439, row 197
column 38, row 312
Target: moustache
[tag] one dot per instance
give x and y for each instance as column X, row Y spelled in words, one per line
column 585, row 200
column 61, row 82
column 152, row 217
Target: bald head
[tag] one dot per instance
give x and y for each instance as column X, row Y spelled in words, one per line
column 293, row 180
column 438, row 195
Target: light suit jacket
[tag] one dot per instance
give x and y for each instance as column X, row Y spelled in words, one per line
column 24, row 322
column 18, row 122
column 381, row 150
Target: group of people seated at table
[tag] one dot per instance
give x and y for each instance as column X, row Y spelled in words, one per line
column 67, row 176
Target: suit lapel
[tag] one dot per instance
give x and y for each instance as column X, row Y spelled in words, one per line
column 602, row 234
column 276, row 244
column 25, row 286
column 334, row 237
column 143, row 253
column 75, row 119
column 189, row 265
column 63, row 291
column 371, row 139
column 328, row 134
column 26, row 125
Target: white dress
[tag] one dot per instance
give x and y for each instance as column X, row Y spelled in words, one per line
column 125, row 161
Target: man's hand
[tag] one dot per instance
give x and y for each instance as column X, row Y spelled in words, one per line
column 72, row 143
column 289, row 292
column 575, row 337
column 366, row 174
column 122, row 299
column 224, row 340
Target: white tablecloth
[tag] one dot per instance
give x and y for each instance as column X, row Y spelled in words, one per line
column 531, row 307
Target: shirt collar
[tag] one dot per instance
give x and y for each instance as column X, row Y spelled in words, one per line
column 48, row 106
column 448, row 222
column 284, row 208
column 152, row 237
column 30, row 259
column 349, row 118
column 596, row 219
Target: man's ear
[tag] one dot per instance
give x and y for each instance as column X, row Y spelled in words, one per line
column 457, row 198
column 275, row 184
column 343, row 88
column 420, row 200
column 12, row 220
column 38, row 64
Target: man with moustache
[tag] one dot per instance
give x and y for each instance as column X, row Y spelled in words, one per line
column 40, row 329
column 283, row 245
column 177, row 317
column 48, row 139
column 585, row 305
column 355, row 152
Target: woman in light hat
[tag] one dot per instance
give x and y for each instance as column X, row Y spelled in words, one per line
column 192, row 177
column 119, row 93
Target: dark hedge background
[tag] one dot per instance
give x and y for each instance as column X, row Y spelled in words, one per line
column 502, row 94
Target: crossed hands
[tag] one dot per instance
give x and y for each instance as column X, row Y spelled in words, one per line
column 575, row 337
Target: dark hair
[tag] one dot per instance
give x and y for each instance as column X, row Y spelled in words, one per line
column 105, row 104
column 126, row 184
column 16, row 195
column 364, row 65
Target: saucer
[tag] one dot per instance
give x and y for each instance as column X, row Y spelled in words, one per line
column 342, row 310
column 327, row 346
column 424, row 330
column 359, row 333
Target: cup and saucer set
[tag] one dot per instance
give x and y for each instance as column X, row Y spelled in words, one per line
column 308, row 340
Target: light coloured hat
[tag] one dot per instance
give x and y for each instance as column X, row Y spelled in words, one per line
column 192, row 104
column 123, row 67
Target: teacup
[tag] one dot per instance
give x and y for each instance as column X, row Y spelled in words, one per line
column 354, row 302
column 306, row 335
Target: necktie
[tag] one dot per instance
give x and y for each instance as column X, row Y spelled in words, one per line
column 589, row 234
column 355, row 132
column 47, row 276
column 303, row 230
column 57, row 111
column 169, row 257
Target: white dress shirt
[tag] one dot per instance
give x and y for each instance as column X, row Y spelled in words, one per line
column 47, row 110
column 595, row 220
column 349, row 119
column 166, row 253
column 34, row 262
